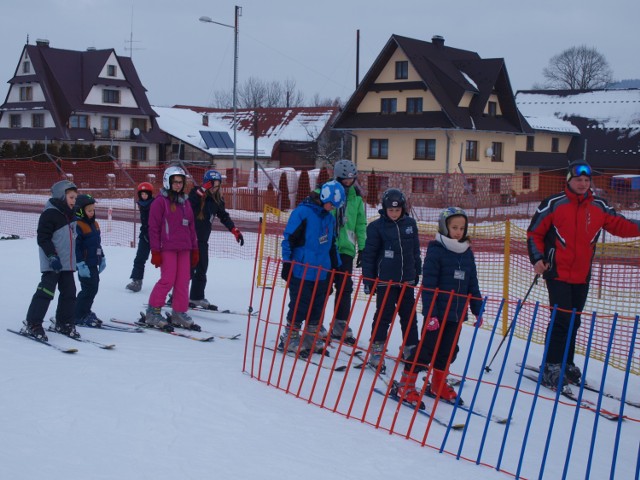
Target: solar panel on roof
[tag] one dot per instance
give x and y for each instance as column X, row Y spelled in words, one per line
column 216, row 139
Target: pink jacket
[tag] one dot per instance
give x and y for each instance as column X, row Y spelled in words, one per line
column 171, row 229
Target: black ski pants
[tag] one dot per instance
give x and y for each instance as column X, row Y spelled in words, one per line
column 199, row 274
column 142, row 255
column 309, row 306
column 565, row 296
column 385, row 309
column 44, row 294
column 343, row 276
column 88, row 291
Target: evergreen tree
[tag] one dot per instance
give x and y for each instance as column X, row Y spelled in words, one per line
column 23, row 150
column 8, row 150
column 303, row 187
column 283, row 186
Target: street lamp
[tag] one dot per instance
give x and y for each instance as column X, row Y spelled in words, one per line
column 235, row 92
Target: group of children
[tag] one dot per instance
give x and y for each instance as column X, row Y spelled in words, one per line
column 175, row 229
column 320, row 243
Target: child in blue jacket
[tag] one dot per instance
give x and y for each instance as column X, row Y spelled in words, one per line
column 145, row 197
column 392, row 256
column 449, row 265
column 308, row 254
column 90, row 260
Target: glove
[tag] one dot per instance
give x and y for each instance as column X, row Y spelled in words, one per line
column 156, row 258
column 103, row 265
column 432, row 324
column 367, row 288
column 359, row 259
column 286, row 268
column 479, row 322
column 54, row 263
column 83, row 270
column 238, row 235
column 195, row 258
column 202, row 190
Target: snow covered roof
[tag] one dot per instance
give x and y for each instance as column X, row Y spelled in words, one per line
column 551, row 124
column 302, row 124
column 610, row 109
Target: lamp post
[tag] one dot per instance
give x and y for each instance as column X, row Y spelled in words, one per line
column 205, row 19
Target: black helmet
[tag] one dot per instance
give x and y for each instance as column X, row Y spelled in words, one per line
column 81, row 202
column 577, row 168
column 394, row 198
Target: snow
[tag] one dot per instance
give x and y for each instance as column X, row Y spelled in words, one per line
column 162, row 407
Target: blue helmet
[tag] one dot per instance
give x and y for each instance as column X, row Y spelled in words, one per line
column 211, row 176
column 332, row 192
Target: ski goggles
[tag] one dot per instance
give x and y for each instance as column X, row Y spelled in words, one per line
column 579, row 170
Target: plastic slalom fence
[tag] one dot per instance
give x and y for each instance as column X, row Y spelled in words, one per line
column 535, row 398
column 517, row 388
column 577, row 412
column 604, row 376
column 624, row 395
column 559, row 388
column 332, row 383
column 484, row 362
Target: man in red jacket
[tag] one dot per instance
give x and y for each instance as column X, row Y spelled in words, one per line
column 561, row 241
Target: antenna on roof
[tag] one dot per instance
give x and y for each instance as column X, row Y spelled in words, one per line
column 131, row 41
column 27, row 39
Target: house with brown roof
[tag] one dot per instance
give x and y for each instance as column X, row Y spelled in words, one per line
column 81, row 97
column 425, row 108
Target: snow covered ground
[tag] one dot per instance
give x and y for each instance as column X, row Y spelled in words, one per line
column 162, row 407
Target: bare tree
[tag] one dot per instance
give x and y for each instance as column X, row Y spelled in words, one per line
column 577, row 68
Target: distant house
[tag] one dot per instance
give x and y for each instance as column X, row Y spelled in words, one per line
column 608, row 122
column 75, row 97
column 426, row 108
column 279, row 137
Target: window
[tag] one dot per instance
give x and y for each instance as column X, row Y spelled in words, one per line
column 15, row 121
column 423, row 185
column 382, row 183
column 425, row 150
column 526, row 180
column 494, row 185
column 472, row 151
column 139, row 154
column 26, row 94
column 497, row 152
column 471, row 186
column 530, row 143
column 388, row 105
column 140, row 123
column 115, row 150
column 112, row 71
column 37, row 120
column 26, row 67
column 414, row 105
column 492, row 109
column 402, row 70
column 110, row 96
column 109, row 123
column 79, row 121
column 378, row 148
column 555, row 144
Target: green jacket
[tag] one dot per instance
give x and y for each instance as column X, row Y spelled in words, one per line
column 351, row 224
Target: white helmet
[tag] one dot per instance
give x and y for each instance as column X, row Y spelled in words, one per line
column 170, row 172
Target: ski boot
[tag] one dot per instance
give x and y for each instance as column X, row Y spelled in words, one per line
column 35, row 331
column 134, row 285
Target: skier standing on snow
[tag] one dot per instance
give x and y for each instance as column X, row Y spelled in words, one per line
column 310, row 241
column 207, row 203
column 145, row 197
column 90, row 260
column 174, row 248
column 449, row 266
column 392, row 256
column 351, row 224
column 561, row 240
column 56, row 237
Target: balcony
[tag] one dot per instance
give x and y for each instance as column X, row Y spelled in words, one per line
column 114, row 134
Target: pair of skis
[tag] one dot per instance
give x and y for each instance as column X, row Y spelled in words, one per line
column 143, row 325
column 566, row 392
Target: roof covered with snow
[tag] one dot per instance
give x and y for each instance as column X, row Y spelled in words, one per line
column 301, row 124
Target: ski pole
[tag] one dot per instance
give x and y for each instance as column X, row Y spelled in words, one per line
column 513, row 322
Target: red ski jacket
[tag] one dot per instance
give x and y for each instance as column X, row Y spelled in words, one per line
column 565, row 229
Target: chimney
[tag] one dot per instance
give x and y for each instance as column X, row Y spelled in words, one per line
column 205, row 119
column 42, row 42
column 438, row 41
column 91, row 49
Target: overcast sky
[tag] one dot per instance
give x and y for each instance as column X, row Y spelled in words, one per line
column 183, row 61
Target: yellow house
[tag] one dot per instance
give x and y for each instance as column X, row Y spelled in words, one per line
column 426, row 109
